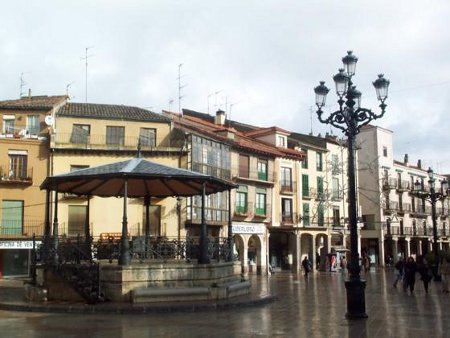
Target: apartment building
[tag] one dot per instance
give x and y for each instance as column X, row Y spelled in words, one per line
column 396, row 223
column 85, row 135
column 252, row 165
column 324, row 206
column 24, row 164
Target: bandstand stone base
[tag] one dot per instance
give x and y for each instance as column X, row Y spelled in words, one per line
column 171, row 281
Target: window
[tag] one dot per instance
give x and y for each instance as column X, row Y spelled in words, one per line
column 281, row 141
column 18, row 164
column 336, row 216
column 243, row 166
column 319, row 187
column 336, row 193
column 262, row 170
column 286, row 179
column 12, row 217
column 305, row 217
column 335, row 165
column 77, row 220
column 33, row 125
column 147, row 137
column 320, row 215
column 115, row 135
column 241, row 200
column 80, row 134
column 305, row 160
column 305, row 185
column 286, row 210
column 385, row 152
column 8, row 124
column 319, row 164
column 260, row 209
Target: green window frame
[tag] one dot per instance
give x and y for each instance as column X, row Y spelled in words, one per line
column 305, row 185
column 262, row 169
column 305, row 216
column 321, row 215
column 241, row 205
column 320, row 186
column 261, row 202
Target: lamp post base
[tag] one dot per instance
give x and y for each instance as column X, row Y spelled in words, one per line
column 356, row 303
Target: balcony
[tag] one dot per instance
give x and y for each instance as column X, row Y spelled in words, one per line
column 243, row 210
column 287, row 187
column 337, row 195
column 389, row 183
column 442, row 213
column 16, row 176
column 253, row 175
column 20, row 229
column 262, row 212
column 212, row 170
column 419, row 211
column 390, row 207
column 103, row 142
column 23, row 134
column 406, row 207
column 288, row 218
column 403, row 186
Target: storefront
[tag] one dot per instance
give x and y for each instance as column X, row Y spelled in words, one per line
column 15, row 258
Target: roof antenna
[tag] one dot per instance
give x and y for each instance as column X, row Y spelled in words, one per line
column 180, row 87
column 22, row 85
column 86, row 65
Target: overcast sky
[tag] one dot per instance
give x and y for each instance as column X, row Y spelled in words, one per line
column 263, row 57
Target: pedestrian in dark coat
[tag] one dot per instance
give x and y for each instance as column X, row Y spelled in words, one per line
column 306, row 265
column 399, row 267
column 424, row 272
column 410, row 270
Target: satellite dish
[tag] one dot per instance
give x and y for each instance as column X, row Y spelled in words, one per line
column 49, row 120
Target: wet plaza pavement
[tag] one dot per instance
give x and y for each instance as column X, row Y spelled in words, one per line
column 303, row 308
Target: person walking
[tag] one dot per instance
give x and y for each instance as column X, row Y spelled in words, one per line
column 410, row 270
column 399, row 270
column 445, row 274
column 306, row 266
column 424, row 272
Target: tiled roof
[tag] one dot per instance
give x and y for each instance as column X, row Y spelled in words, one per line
column 110, row 112
column 34, row 102
column 241, row 141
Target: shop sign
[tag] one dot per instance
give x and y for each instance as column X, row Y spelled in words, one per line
column 239, row 228
column 18, row 244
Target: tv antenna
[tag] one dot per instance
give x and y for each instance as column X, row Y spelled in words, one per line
column 22, row 84
column 67, row 87
column 180, row 87
column 85, row 58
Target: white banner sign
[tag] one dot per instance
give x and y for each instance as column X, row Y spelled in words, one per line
column 18, row 244
column 242, row 228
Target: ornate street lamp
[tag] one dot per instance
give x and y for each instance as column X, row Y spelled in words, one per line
column 349, row 118
column 432, row 196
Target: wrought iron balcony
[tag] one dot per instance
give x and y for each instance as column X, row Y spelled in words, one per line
column 403, row 185
column 16, row 175
column 287, row 187
column 288, row 218
column 389, row 183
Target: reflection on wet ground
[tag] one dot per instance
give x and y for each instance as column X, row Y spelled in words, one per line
column 314, row 307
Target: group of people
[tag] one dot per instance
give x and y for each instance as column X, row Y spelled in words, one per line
column 406, row 271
